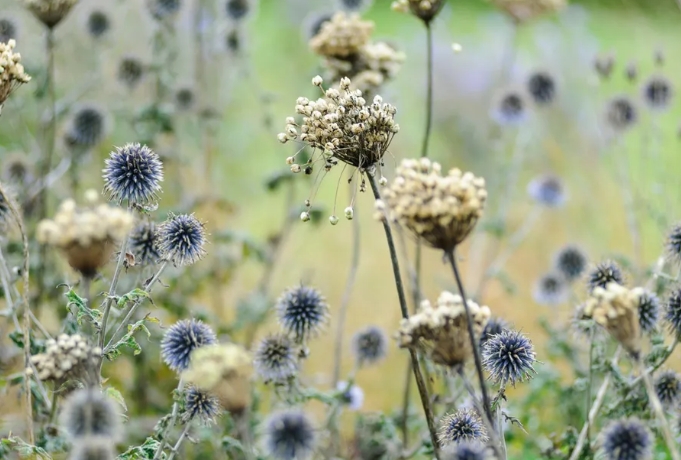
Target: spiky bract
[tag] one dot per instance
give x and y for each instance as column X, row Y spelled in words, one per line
column 302, row 311
column 462, row 425
column 668, row 388
column 143, row 243
column 604, row 273
column 181, row 339
column 370, row 345
column 648, row 311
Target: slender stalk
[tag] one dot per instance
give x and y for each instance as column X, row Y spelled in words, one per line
column 404, row 425
column 420, row 383
column 471, row 334
column 245, row 432
column 171, row 423
column 429, row 91
column 589, row 386
column 179, row 442
column 112, row 292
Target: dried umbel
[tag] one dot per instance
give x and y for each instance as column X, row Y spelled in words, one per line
column 526, row 10
column 86, row 235
column 442, row 331
column 50, row 12
column 441, row 210
column 616, row 309
column 69, row 357
column 342, row 36
column 11, row 71
column 426, row 10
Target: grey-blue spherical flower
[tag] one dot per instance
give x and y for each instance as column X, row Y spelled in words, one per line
column 547, row 190
column 494, row 326
column 98, row 23
column 668, row 388
column 200, row 405
column 87, row 127
column 370, row 345
column 181, row 339
column 509, row 357
column 648, row 311
column 289, row 436
column 570, row 262
column 467, row 450
column 551, row 289
column 238, row 9
column 302, row 312
column 542, row 87
column 87, row 412
column 181, row 239
column 130, row 71
column 276, row 358
column 143, row 243
column 627, row 439
column 133, row 173
column 462, row 425
column 510, row 109
column 673, row 243
column 604, row 273
column 8, row 30
column 672, row 313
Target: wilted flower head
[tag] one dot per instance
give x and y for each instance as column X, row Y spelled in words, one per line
column 50, row 12
column 672, row 313
column 238, row 9
column 370, row 345
column 604, row 273
column 344, row 35
column 657, row 92
column 627, row 439
column 467, row 450
column 200, row 405
column 8, row 30
column 181, row 239
column 133, row 173
column 551, row 289
column 547, row 190
column 68, row 357
column 570, row 262
column 426, row 10
column 494, row 326
column 181, row 339
column 352, row 396
column 604, row 65
column 462, row 425
column 542, row 87
column 302, row 312
column 526, row 10
column 509, row 357
column 92, row 448
column 509, row 108
column 12, row 73
column 98, row 23
column 673, row 243
column 668, row 388
column 616, row 309
column 164, row 9
column 442, row 331
column 143, row 243
column 87, row 412
column 648, row 311
column 289, row 436
column 441, row 210
column 130, row 71
column 276, row 359
column 621, row 113
column 87, row 127
column 184, row 98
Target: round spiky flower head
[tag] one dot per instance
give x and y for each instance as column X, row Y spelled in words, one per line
column 200, row 405
column 184, row 98
column 370, row 345
column 441, row 210
column 672, row 313
column 467, row 450
column 302, row 312
column 648, row 311
column 162, row 10
column 276, row 359
column 462, row 425
column 547, row 190
column 181, row 339
column 87, row 412
column 12, row 73
column 426, row 10
column 627, row 439
column 238, row 9
column 657, row 92
column 673, row 243
column 668, row 388
column 181, row 239
column 551, row 289
column 621, row 113
column 509, row 357
column 133, row 173
column 130, row 71
column 570, row 262
column 143, row 243
column 98, row 23
column 509, row 108
column 542, row 87
column 50, row 12
column 289, row 436
column 87, row 127
column 494, row 326
column 352, row 396
column 8, row 29
column 605, row 272
column 5, row 205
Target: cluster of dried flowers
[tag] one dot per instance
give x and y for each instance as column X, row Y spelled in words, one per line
column 50, row 12
column 68, row 357
column 12, row 73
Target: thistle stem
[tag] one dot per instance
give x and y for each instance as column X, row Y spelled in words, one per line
column 429, row 91
column 177, row 445
column 173, row 418
column 590, row 384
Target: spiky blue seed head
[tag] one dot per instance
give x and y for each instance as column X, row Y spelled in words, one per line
column 133, row 173
column 668, row 388
column 87, row 412
column 98, row 23
column 627, row 439
column 302, row 312
column 621, row 113
column 509, row 357
column 571, row 262
column 181, row 239
column 87, row 127
column 181, row 339
column 673, row 243
column 238, row 9
column 233, row 40
column 551, row 289
column 8, row 30
column 200, row 405
column 352, row 396
column 494, row 326
column 130, row 71
column 289, row 436
column 276, row 359
column 462, row 425
column 672, row 313
column 604, row 273
column 92, row 448
column 658, row 92
column 510, row 109
column 143, row 243
column 467, row 450
column 542, row 87
column 547, row 190
column 648, row 311
column 184, row 98
column 164, row 9
column 370, row 345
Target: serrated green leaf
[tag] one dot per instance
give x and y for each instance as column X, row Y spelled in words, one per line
column 116, row 395
column 82, row 310
column 129, row 340
column 230, row 443
column 132, row 296
column 24, row 449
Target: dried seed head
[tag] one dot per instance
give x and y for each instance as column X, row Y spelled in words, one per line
column 510, row 108
column 570, row 262
column 426, row 10
column 302, row 312
column 200, row 405
column 12, row 73
column 181, row 239
column 162, row 10
column 143, row 243
column 604, row 273
column 370, row 345
column 668, row 388
column 551, row 289
column 87, row 127
column 130, row 71
column 133, row 173
column 462, row 425
column 509, row 357
column 658, row 92
column 289, row 435
column 621, row 113
column 547, row 190
column 275, row 359
column 68, row 357
column 8, row 29
column 88, row 412
column 344, row 35
column 627, row 439
column 98, row 23
column 182, row 339
column 526, row 10
column 542, row 87
column 50, row 12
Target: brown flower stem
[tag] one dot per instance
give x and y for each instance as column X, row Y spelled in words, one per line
column 471, row 334
column 420, row 383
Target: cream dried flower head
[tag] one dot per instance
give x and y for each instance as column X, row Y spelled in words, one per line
column 526, row 10
column 615, row 307
column 440, row 209
column 69, row 357
column 12, row 73
column 442, row 331
column 87, row 235
column 50, row 12
column 426, row 10
column 342, row 36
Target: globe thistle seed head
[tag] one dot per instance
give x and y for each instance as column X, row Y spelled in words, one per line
column 627, row 439
column 603, row 273
column 87, row 412
column 184, row 98
column 50, row 12
column 426, row 10
column 92, row 448
column 621, row 113
column 163, row 10
column 237, row 10
column 510, row 108
column 276, row 359
column 8, row 29
column 12, row 74
column 551, row 289
column 130, row 71
column 462, row 425
column 547, row 190
column 289, row 436
column 302, row 312
column 200, row 405
column 133, row 173
column 352, row 396
column 233, row 40
column 5, row 209
column 570, row 262
column 509, row 357
column 87, row 127
column 143, row 243
column 181, row 239
column 673, row 244
column 542, row 87
column 98, row 23
column 370, row 345
column 494, row 326
column 467, row 450
column 668, row 388
column 604, row 64
column 181, row 339
column 648, row 311
column 657, row 92
column 672, row 312
column 17, row 171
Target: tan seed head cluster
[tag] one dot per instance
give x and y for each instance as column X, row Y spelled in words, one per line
column 442, row 210
column 526, row 10
column 12, row 73
column 342, row 36
column 50, row 12
column 615, row 307
column 426, row 10
column 69, row 357
column 442, row 331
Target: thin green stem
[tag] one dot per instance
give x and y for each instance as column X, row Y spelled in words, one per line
column 429, row 91
column 112, row 292
column 177, row 445
column 590, row 384
column 171, row 423
column 404, row 421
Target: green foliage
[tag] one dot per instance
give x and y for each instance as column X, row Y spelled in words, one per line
column 144, row 451
column 25, row 450
column 128, row 340
column 93, row 315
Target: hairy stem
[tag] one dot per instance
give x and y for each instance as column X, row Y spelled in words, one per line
column 589, row 386
column 171, row 423
column 112, row 292
column 177, row 445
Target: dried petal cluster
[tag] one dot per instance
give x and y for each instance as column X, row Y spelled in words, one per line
column 68, row 357
column 12, row 73
column 616, row 309
column 442, row 210
column 50, row 12
column 526, row 10
column 426, row 10
column 442, row 331
column 342, row 36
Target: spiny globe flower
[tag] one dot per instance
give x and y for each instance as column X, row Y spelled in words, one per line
column 570, row 262
column 509, row 108
column 627, row 439
column 276, row 359
column 648, row 311
column 668, row 388
column 8, row 30
column 494, row 326
column 551, row 289
column 181, row 339
column 163, row 9
column 658, row 92
column 143, row 243
column 98, row 23
column 302, row 312
column 547, row 190
column 673, row 243
column 87, row 412
column 184, row 98
column 87, row 127
column 621, row 113
column 289, row 435
column 509, row 357
column 200, row 405
column 352, row 396
column 92, row 448
column 238, row 9
column 370, row 345
column 604, row 273
column 130, row 71
column 462, row 425
column 133, row 173
column 542, row 87
column 181, row 239
column 467, row 450
column 672, row 312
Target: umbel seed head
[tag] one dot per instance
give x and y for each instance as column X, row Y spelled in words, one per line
column 133, row 174
column 12, row 73
column 50, row 12
column 182, row 339
column 627, row 439
column 370, row 345
column 68, row 357
column 181, row 239
column 462, row 425
column 289, row 436
column 509, row 357
column 302, row 312
column 200, row 405
column 88, row 412
column 275, row 359
column 342, row 36
column 426, row 10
